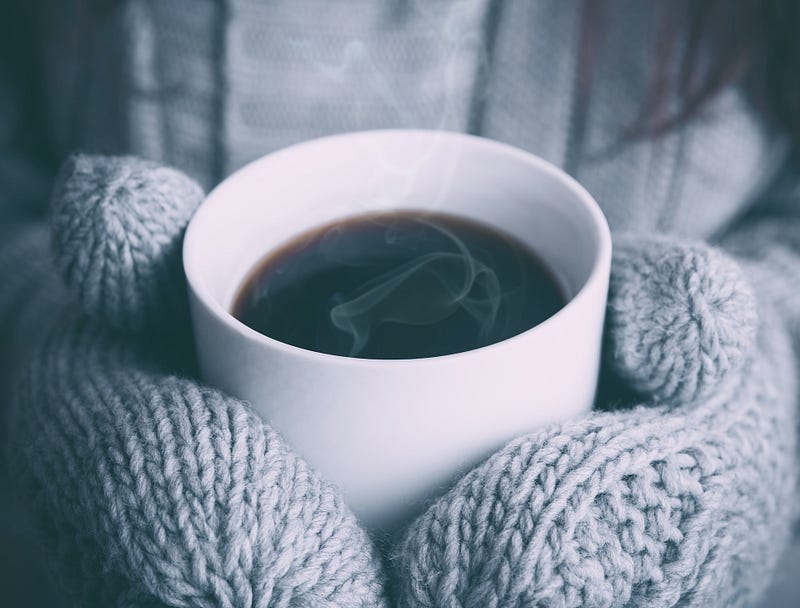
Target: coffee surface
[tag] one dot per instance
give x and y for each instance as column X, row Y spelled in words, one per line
column 398, row 286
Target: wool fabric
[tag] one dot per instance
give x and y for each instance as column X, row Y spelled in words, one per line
column 118, row 224
column 190, row 500
column 682, row 316
column 159, row 491
column 653, row 506
column 682, row 498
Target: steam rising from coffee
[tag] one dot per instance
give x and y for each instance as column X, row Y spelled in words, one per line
column 398, row 285
column 423, row 291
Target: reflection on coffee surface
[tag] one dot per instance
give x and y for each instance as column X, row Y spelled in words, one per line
column 397, row 286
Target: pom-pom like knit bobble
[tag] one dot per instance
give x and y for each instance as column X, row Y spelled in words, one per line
column 681, row 317
column 118, row 224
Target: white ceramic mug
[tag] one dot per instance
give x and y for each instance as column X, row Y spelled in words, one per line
column 393, row 434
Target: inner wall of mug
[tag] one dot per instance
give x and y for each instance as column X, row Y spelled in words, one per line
column 267, row 203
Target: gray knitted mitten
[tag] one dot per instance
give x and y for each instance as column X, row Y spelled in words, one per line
column 155, row 490
column 684, row 498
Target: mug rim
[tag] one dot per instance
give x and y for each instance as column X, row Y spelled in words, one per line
column 602, row 252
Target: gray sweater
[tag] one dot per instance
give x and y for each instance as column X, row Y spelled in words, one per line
column 208, row 86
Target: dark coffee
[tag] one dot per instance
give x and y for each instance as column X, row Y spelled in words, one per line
column 398, row 286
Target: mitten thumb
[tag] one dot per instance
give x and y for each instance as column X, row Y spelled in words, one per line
column 681, row 317
column 117, row 225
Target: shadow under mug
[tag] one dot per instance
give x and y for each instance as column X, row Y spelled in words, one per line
column 393, row 434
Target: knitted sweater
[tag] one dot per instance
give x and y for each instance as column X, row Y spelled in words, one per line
column 684, row 502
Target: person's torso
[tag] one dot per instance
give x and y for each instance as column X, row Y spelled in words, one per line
column 210, row 85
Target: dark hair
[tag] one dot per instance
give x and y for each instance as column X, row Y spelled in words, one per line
column 717, row 43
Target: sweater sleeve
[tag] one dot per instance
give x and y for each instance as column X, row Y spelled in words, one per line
column 766, row 242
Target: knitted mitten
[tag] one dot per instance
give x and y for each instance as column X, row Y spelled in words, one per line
column 152, row 489
column 684, row 498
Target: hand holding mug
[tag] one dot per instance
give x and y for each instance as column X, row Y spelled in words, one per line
column 220, row 510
